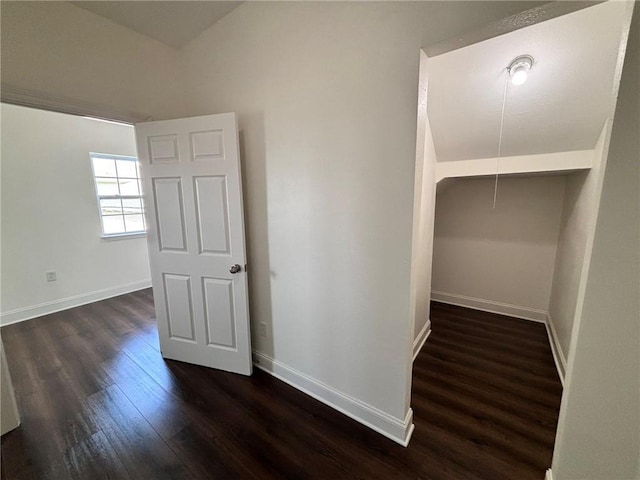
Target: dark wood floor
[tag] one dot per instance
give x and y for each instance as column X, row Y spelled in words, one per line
column 97, row 402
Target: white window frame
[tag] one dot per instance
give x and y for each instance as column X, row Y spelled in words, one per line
column 120, row 235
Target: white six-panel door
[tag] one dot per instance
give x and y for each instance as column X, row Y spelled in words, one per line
column 193, row 202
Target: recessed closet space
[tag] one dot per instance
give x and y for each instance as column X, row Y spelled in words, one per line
column 499, row 259
column 523, row 257
column 513, row 137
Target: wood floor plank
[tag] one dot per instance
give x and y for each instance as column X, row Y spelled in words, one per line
column 160, row 407
column 92, row 382
column 522, row 407
column 143, row 452
column 253, row 425
column 94, row 457
column 307, row 435
column 488, row 320
column 19, row 456
column 521, row 362
column 529, row 375
column 52, row 420
column 529, row 426
column 205, row 456
column 489, row 380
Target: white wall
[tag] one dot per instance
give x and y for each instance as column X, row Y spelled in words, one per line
column 50, row 215
column 61, row 51
column 423, row 214
column 326, row 97
column 577, row 224
column 599, row 425
column 500, row 259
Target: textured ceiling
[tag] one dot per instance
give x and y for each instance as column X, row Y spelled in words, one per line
column 561, row 107
column 172, row 23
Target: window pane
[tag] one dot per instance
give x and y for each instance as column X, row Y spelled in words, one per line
column 104, row 167
column 127, row 168
column 116, row 177
column 107, row 186
column 134, row 223
column 128, row 187
column 114, row 224
column 110, row 207
column 132, row 206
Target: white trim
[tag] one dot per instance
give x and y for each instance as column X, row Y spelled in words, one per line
column 30, row 98
column 124, row 236
column 45, row 308
column 524, row 313
column 548, row 475
column 114, row 156
column 539, row 163
column 556, row 349
column 397, row 430
column 421, row 338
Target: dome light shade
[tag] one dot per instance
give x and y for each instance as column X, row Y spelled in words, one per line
column 519, row 69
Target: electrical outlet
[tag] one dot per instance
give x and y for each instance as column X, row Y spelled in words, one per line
column 262, row 329
column 51, row 276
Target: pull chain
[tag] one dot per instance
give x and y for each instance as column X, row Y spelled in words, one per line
column 504, row 101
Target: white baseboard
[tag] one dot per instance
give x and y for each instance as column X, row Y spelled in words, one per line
column 32, row 311
column 418, row 343
column 556, row 349
column 397, row 430
column 491, row 306
column 548, row 475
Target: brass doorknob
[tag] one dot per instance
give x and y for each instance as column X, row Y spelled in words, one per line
column 235, row 268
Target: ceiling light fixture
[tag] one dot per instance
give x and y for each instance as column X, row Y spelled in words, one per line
column 519, row 69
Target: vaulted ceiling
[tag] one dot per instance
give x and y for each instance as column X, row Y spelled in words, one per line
column 562, row 106
column 174, row 23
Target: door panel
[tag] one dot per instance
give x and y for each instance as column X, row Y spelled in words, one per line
column 163, row 149
column 177, row 291
column 213, row 224
column 193, row 200
column 207, row 145
column 218, row 296
column 169, row 209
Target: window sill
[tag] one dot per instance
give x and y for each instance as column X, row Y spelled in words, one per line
column 124, row 236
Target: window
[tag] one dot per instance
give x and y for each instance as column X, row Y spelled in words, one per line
column 119, row 192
